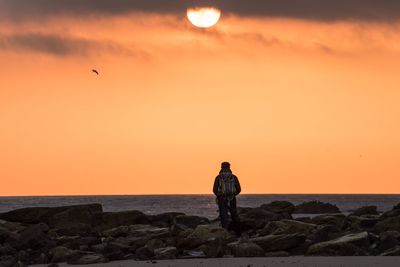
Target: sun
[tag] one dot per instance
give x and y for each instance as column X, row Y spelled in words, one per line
column 203, row 17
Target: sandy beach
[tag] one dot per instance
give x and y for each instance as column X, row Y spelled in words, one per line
column 261, row 262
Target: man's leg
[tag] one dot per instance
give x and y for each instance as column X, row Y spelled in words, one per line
column 235, row 217
column 223, row 212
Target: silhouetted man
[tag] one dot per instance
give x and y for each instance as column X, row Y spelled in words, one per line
column 226, row 188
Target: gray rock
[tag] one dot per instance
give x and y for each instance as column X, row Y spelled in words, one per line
column 348, row 245
column 166, row 253
column 245, row 249
column 316, row 207
column 278, row 242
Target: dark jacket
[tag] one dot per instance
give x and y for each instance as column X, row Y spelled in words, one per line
column 216, row 184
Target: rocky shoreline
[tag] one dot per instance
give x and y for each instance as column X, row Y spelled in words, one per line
column 84, row 234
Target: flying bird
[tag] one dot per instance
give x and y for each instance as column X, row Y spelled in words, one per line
column 95, row 71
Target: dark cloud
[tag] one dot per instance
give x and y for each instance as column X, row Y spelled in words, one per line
column 63, row 46
column 325, row 10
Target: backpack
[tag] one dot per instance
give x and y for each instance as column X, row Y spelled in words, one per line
column 227, row 185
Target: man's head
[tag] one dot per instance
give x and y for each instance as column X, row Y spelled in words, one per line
column 225, row 165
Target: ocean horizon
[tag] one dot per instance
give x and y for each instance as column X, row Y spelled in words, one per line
column 195, row 204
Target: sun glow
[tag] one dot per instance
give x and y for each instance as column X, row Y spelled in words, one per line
column 203, row 17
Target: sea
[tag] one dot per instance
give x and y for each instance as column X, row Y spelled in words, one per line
column 200, row 205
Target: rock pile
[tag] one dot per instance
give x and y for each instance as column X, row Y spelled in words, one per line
column 84, row 234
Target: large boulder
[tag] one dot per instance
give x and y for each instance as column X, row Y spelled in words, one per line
column 278, row 242
column 367, row 210
column 74, row 220
column 388, row 224
column 279, row 207
column 315, row 207
column 44, row 214
column 191, row 221
column 388, row 240
column 245, row 249
column 108, row 220
column 34, row 237
column 287, row 227
column 365, row 222
column 348, row 245
column 210, row 232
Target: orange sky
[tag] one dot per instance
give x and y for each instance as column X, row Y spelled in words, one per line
column 296, row 106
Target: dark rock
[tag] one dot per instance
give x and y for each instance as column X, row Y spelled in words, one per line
column 8, row 261
column 154, row 244
column 215, row 248
column 144, row 253
column 189, row 243
column 210, row 232
column 6, row 250
column 392, row 252
column 367, row 210
column 165, row 219
column 60, row 254
column 258, row 217
column 324, row 233
column 279, row 242
column 279, row 207
column 191, row 221
column 388, row 240
column 349, row 245
column 337, row 220
column 245, row 249
column 389, row 224
column 44, row 214
column 108, row 220
column 396, row 207
column 34, row 237
column 365, row 222
column 287, row 227
column 390, row 214
column 166, row 253
column 316, row 207
column 116, row 250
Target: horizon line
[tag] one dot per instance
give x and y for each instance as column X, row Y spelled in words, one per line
column 189, row 194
